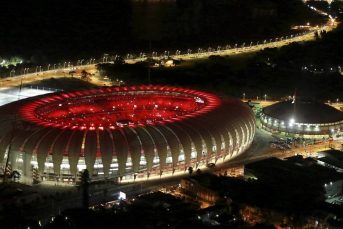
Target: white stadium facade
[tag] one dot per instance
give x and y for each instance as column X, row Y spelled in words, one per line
column 122, row 132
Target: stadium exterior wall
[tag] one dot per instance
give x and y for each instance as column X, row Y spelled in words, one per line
column 214, row 134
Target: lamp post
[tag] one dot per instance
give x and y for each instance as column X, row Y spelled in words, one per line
column 243, row 96
column 257, row 98
column 40, row 68
column 54, row 66
column 337, row 101
column 64, row 64
column 37, row 68
column 48, row 67
column 265, row 98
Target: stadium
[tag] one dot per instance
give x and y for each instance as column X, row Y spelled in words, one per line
column 303, row 118
column 122, row 132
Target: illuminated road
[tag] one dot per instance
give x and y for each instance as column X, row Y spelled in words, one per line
column 28, row 78
column 189, row 55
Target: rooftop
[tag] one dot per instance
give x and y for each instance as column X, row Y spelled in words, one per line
column 305, row 112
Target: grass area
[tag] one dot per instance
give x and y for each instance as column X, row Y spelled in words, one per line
column 234, row 61
column 65, row 83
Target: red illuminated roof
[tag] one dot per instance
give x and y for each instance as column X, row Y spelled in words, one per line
column 118, row 107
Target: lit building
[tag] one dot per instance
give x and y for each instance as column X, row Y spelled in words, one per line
column 304, row 118
column 123, row 132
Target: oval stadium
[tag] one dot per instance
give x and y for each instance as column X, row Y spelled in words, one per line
column 303, row 118
column 122, row 132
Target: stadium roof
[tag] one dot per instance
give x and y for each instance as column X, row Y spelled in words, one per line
column 305, row 112
column 123, row 123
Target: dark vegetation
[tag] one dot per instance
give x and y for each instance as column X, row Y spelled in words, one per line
column 65, row 83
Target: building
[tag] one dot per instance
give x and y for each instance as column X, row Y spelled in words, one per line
column 200, row 190
column 303, row 118
column 295, row 168
column 331, row 159
column 122, row 132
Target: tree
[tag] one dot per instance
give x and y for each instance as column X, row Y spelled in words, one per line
column 85, row 188
column 198, row 171
column 190, row 170
column 84, row 75
column 316, row 35
column 72, row 73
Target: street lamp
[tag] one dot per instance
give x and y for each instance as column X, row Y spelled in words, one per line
column 37, row 68
column 54, row 66
column 337, row 101
column 48, row 67
column 40, row 68
column 64, row 64
column 243, row 96
column 83, row 60
column 250, row 44
column 265, row 98
column 257, row 98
